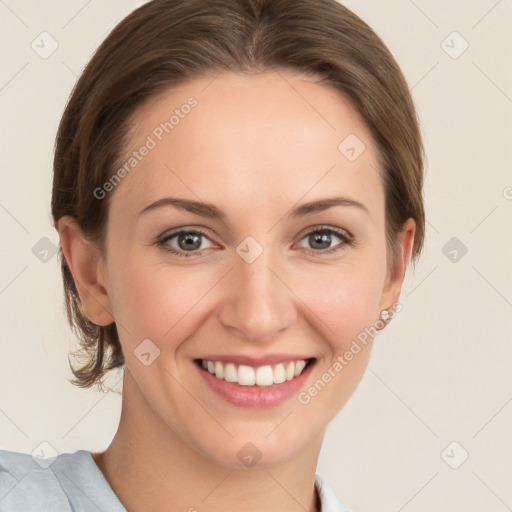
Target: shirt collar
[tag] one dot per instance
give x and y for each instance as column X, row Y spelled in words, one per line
column 328, row 500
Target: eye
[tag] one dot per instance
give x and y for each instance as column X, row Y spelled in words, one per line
column 187, row 241
column 190, row 242
column 321, row 239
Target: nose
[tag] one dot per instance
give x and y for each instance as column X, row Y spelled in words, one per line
column 258, row 303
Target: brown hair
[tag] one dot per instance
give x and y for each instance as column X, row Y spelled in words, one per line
column 168, row 42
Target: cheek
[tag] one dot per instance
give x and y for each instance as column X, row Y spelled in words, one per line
column 345, row 302
column 346, row 299
column 154, row 300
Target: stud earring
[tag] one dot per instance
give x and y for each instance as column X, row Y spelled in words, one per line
column 384, row 315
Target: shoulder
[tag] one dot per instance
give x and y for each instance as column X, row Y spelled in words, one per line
column 329, row 501
column 64, row 483
column 27, row 485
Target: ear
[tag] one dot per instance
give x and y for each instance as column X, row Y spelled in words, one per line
column 395, row 275
column 88, row 270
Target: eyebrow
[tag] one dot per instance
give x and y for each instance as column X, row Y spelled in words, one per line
column 211, row 211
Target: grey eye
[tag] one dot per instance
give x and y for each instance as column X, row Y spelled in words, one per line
column 187, row 241
column 321, row 239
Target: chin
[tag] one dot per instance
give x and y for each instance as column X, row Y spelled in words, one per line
column 253, row 450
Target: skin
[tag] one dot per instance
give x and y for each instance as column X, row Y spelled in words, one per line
column 256, row 146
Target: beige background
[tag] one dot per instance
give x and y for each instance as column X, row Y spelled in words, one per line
column 440, row 373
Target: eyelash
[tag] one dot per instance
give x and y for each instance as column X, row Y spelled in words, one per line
column 346, row 240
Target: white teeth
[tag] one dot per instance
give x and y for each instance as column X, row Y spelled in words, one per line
column 279, row 374
column 299, row 366
column 264, row 376
column 230, row 373
column 219, row 370
column 248, row 376
column 290, row 370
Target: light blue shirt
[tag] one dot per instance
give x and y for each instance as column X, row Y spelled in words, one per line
column 72, row 482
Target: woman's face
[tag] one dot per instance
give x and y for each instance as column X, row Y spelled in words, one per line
column 260, row 278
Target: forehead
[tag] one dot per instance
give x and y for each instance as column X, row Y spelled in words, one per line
column 250, row 135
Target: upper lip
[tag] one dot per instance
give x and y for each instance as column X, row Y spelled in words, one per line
column 253, row 361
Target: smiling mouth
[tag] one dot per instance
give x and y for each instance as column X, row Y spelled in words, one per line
column 262, row 376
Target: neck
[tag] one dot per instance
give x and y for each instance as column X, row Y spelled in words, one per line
column 148, row 463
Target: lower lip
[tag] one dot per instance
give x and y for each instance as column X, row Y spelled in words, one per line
column 254, row 396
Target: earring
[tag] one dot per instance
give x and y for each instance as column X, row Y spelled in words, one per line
column 384, row 315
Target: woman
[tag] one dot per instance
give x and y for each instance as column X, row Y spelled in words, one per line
column 238, row 194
